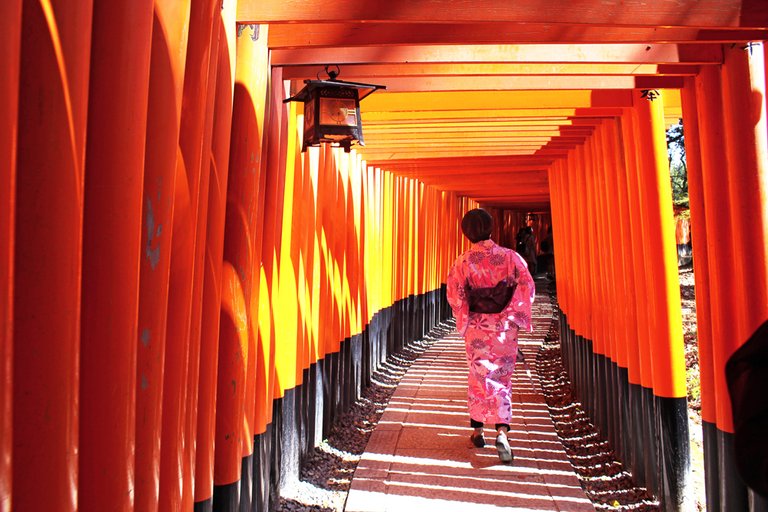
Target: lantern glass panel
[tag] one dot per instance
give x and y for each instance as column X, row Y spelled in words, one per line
column 338, row 111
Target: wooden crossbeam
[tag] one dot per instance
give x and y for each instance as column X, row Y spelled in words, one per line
column 352, row 33
column 633, row 13
column 372, row 72
column 533, row 100
column 523, row 83
column 380, row 156
column 551, row 53
column 370, row 114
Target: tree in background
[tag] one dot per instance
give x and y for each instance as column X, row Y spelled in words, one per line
column 678, row 170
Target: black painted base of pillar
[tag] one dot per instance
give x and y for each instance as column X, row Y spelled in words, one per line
column 305, row 414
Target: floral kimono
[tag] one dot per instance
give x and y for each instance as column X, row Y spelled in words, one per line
column 490, row 338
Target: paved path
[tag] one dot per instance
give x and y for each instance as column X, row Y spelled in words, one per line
column 420, row 458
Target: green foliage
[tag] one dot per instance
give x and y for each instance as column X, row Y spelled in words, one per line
column 678, row 170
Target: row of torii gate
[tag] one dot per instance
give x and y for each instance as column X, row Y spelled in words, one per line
column 188, row 302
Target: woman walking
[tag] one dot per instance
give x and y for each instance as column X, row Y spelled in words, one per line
column 490, row 292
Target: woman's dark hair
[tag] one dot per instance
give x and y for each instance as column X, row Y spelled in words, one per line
column 476, row 225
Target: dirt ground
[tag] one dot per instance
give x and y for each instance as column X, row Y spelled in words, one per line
column 688, row 305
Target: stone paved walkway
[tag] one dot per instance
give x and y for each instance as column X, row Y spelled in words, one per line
column 420, row 458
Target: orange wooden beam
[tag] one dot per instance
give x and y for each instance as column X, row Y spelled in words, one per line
column 551, row 53
column 353, row 33
column 377, row 71
column 452, row 101
column 633, row 13
column 522, row 82
column 478, row 114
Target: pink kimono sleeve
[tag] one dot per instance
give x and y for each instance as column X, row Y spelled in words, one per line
column 519, row 308
column 457, row 297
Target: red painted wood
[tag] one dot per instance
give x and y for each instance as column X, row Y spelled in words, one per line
column 666, row 13
column 166, row 79
column 117, row 123
column 704, row 300
column 212, row 268
column 53, row 108
column 181, row 348
column 10, row 52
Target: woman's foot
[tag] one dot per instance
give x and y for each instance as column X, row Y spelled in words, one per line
column 502, row 446
column 477, row 439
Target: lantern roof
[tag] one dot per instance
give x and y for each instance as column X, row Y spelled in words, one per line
column 306, row 93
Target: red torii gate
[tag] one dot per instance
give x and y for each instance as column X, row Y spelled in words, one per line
column 151, row 182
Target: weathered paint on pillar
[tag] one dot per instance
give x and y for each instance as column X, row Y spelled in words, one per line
column 55, row 63
column 10, row 46
column 191, row 182
column 114, row 165
column 166, row 79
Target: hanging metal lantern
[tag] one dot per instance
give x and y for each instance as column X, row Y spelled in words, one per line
column 332, row 110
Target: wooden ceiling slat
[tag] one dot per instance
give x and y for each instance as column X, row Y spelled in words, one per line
column 381, row 156
column 370, row 114
column 633, row 13
column 551, row 53
column 300, row 35
column 484, row 96
column 430, row 101
column 525, row 83
column 371, row 72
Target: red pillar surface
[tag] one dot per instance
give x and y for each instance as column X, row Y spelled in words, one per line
column 630, row 138
column 744, row 107
column 212, row 245
column 667, row 342
column 265, row 373
column 700, row 248
column 166, row 79
column 628, row 344
column 55, row 60
column 117, row 121
column 182, row 348
column 616, row 220
column 718, row 221
column 10, row 45
column 232, row 367
column 218, row 162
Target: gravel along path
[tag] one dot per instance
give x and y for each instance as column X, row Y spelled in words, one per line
column 326, row 474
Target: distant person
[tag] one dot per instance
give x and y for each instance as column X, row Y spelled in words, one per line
column 526, row 245
column 490, row 292
column 545, row 262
